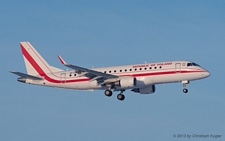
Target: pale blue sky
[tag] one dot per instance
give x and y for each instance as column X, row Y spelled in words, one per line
column 105, row 33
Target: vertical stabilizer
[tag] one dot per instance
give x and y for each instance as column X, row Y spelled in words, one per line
column 35, row 63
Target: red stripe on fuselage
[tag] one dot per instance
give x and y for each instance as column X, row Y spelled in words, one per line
column 164, row 73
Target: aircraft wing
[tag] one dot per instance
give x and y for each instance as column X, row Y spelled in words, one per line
column 101, row 78
column 94, row 75
column 26, row 75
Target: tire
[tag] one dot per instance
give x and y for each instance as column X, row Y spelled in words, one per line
column 120, row 97
column 108, row 93
column 185, row 90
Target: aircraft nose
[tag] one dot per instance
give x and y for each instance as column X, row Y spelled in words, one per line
column 206, row 73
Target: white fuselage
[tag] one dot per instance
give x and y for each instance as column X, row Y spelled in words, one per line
column 146, row 74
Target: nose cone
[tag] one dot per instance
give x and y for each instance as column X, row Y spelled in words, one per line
column 206, row 73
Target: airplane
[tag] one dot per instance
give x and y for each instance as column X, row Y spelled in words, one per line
column 139, row 78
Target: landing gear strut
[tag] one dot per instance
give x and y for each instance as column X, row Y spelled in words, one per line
column 184, row 86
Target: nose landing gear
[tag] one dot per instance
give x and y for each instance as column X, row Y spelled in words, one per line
column 185, row 90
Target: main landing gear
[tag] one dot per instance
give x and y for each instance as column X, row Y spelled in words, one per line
column 108, row 93
column 184, row 86
column 120, row 96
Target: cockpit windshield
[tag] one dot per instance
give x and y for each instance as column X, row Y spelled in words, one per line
column 192, row 64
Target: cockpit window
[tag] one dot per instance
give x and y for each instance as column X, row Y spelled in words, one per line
column 189, row 64
column 195, row 64
column 192, row 64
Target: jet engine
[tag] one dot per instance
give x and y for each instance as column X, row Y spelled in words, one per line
column 127, row 81
column 145, row 90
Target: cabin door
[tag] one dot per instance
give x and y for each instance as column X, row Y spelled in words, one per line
column 177, row 67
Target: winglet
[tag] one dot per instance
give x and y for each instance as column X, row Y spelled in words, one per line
column 61, row 60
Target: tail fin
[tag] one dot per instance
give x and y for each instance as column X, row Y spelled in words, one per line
column 35, row 63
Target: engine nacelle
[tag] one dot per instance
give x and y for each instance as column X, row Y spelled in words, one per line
column 127, row 81
column 145, row 90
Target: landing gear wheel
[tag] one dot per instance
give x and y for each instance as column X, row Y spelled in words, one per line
column 185, row 90
column 120, row 97
column 108, row 93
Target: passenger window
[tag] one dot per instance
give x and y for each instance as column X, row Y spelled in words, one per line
column 140, row 68
column 155, row 67
column 114, row 70
column 125, row 69
column 130, row 69
column 135, row 69
column 109, row 71
column 150, row 68
column 120, row 70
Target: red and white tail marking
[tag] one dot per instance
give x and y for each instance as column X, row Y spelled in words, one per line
column 35, row 63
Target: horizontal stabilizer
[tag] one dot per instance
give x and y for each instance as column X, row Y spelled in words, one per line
column 26, row 75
